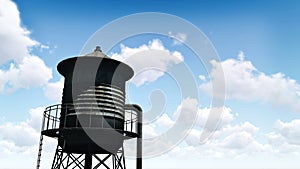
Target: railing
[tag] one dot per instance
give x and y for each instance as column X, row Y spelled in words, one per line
column 51, row 119
column 131, row 118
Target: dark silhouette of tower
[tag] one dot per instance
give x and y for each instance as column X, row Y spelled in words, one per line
column 93, row 121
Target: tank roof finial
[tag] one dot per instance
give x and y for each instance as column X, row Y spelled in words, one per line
column 97, row 53
column 98, row 48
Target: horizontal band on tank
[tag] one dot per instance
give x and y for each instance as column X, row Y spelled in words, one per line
column 109, row 87
column 98, row 107
column 97, row 104
column 91, row 108
column 100, row 97
column 91, row 91
column 97, row 90
column 98, row 113
column 93, row 94
column 97, row 101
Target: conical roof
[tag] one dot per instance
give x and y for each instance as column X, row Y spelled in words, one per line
column 97, row 53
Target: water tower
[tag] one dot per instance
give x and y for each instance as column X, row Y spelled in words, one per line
column 93, row 121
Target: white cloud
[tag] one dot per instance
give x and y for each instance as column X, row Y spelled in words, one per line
column 193, row 138
column 157, row 140
column 245, row 139
column 179, row 38
column 242, row 136
column 231, row 140
column 44, row 47
column 241, row 56
column 53, row 90
column 21, row 134
column 35, row 119
column 289, row 131
column 228, row 139
column 165, row 121
column 148, row 61
column 226, row 116
column 242, row 140
column 202, row 77
column 244, row 82
column 209, row 120
column 285, row 138
column 19, row 141
column 150, row 128
column 15, row 42
column 32, row 72
column 24, row 133
column 23, row 137
column 187, row 109
column 25, row 70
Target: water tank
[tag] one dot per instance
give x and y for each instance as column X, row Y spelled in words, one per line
column 92, row 113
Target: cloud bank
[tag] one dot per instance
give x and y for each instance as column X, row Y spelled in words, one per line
column 149, row 61
column 19, row 67
column 243, row 81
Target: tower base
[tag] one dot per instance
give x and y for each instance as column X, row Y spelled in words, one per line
column 63, row 160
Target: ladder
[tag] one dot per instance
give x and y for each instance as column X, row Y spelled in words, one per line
column 40, row 152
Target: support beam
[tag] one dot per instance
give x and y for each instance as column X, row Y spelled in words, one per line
column 88, row 161
column 139, row 145
column 63, row 160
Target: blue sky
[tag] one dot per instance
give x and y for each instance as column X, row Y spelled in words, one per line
column 257, row 45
